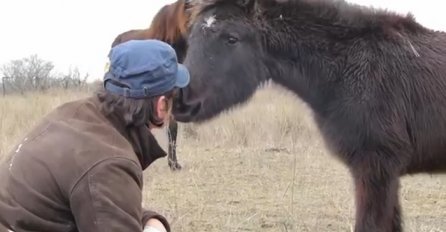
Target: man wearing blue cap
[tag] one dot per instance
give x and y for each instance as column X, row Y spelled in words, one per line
column 80, row 168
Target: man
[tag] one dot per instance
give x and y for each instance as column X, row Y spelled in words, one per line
column 80, row 168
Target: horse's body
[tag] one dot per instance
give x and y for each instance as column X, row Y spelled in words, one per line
column 376, row 82
column 168, row 25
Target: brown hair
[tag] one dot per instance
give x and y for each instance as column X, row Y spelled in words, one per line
column 133, row 112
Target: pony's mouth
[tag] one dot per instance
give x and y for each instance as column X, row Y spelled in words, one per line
column 186, row 108
column 186, row 113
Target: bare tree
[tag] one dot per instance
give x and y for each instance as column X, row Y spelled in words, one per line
column 29, row 73
column 73, row 79
column 35, row 74
column 37, row 71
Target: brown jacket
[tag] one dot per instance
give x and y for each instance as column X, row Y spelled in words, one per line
column 78, row 171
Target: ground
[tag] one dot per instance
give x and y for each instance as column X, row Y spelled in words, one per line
column 260, row 167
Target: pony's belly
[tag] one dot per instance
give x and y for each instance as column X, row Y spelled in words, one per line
column 428, row 163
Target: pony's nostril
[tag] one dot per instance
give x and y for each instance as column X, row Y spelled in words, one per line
column 187, row 96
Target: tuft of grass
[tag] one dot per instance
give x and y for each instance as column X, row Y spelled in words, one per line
column 260, row 167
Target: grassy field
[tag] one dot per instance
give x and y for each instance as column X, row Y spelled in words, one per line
column 261, row 167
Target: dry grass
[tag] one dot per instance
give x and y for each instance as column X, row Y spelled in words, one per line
column 261, row 167
column 19, row 113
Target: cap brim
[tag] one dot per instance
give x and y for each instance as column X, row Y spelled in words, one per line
column 183, row 76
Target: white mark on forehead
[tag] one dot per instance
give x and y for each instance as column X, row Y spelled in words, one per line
column 209, row 21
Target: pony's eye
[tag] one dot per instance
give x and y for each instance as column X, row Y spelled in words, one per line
column 232, row 39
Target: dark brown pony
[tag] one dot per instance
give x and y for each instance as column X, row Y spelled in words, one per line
column 168, row 25
column 374, row 79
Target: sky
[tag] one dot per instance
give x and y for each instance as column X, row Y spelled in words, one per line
column 80, row 32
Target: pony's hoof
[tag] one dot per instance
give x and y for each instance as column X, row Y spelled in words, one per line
column 175, row 166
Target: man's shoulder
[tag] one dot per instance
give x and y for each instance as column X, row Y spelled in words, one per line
column 78, row 130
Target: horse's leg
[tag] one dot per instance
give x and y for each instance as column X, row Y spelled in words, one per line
column 376, row 186
column 172, row 154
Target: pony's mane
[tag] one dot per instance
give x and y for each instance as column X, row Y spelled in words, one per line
column 351, row 13
column 367, row 16
column 170, row 23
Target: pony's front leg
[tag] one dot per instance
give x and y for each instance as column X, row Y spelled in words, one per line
column 377, row 206
column 172, row 147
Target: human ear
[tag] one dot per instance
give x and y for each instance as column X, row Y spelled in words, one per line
column 161, row 107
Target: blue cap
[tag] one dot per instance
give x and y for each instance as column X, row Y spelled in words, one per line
column 144, row 68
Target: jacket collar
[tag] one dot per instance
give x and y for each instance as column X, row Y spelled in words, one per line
column 144, row 143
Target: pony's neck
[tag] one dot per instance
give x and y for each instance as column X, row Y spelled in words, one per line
column 308, row 41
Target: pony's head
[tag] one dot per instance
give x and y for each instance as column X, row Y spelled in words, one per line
column 225, row 57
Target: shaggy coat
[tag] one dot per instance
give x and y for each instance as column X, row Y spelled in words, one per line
column 375, row 81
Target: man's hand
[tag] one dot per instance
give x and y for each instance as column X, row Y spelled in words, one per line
column 153, row 222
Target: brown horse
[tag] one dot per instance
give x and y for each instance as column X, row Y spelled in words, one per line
column 168, row 25
column 374, row 79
